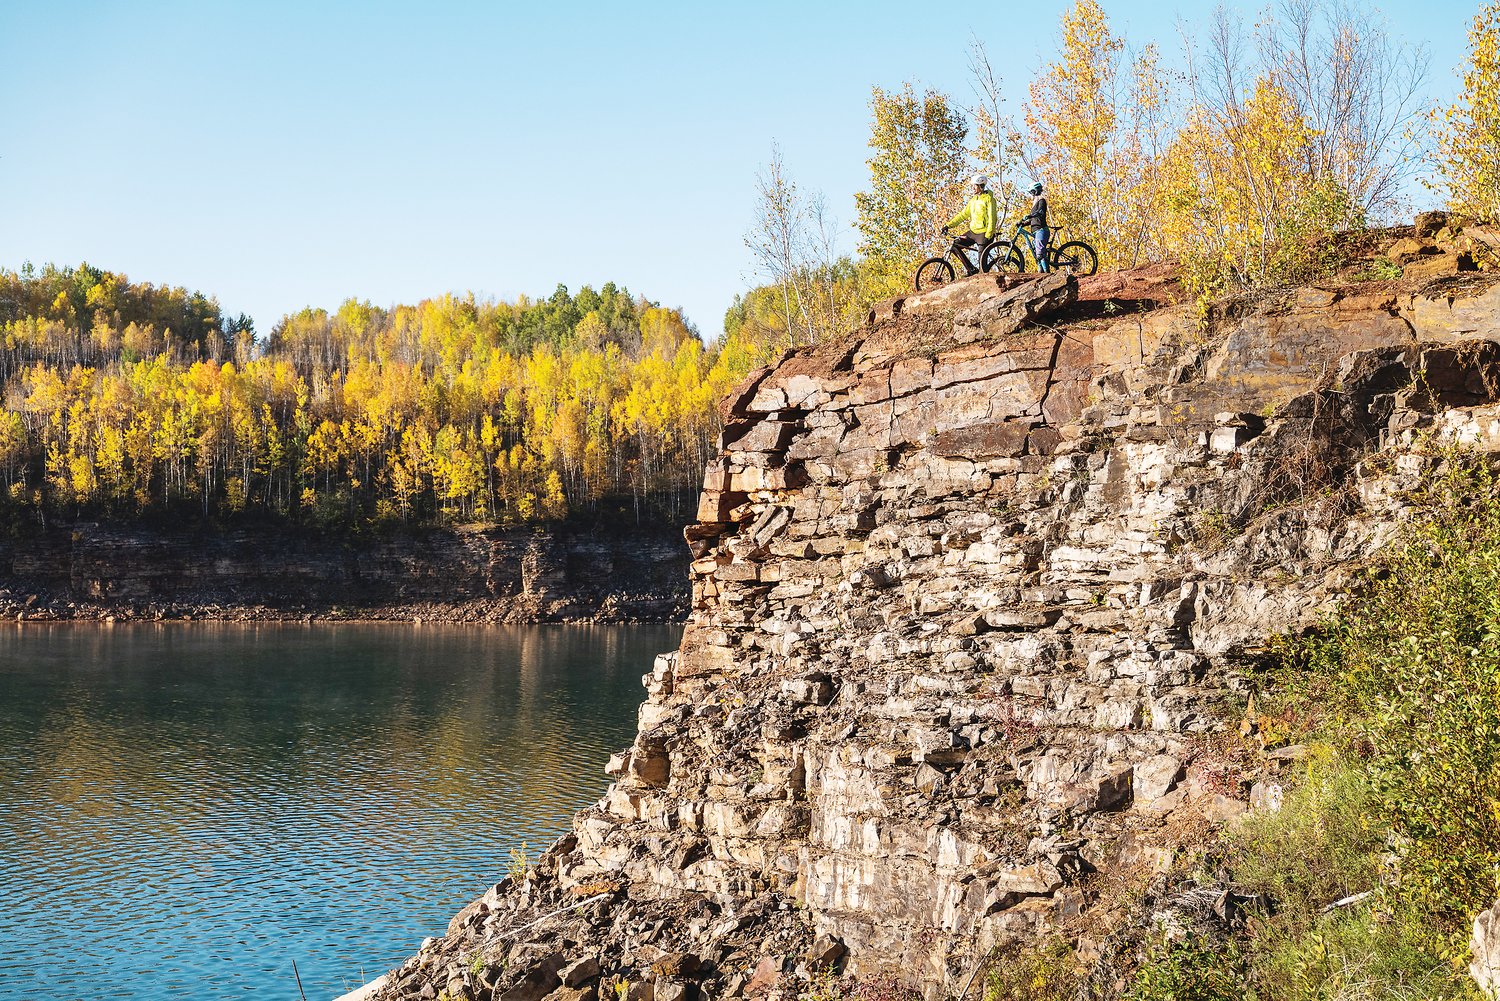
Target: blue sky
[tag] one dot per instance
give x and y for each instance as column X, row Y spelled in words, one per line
column 280, row 154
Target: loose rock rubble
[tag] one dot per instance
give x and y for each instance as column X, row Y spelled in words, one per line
column 977, row 595
column 1440, row 244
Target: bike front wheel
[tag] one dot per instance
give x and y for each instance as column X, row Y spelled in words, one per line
column 1004, row 258
column 1076, row 257
column 934, row 272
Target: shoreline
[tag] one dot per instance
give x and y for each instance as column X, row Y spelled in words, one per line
column 104, row 572
column 667, row 611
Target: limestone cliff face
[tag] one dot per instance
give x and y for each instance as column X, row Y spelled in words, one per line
column 976, row 594
column 486, row 575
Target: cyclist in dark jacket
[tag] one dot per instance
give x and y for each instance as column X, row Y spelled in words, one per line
column 1036, row 221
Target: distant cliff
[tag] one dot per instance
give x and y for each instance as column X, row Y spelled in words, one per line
column 977, row 594
column 554, row 574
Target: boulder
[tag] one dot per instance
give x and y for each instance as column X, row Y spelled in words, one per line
column 1156, row 776
column 589, row 993
column 580, row 972
column 825, row 952
column 538, row 981
column 1438, row 264
column 1410, row 249
column 1484, row 946
column 764, row 978
column 1429, row 223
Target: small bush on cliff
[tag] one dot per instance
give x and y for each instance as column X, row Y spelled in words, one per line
column 829, row 986
column 1330, row 842
column 1329, row 824
column 1189, row 969
column 1042, row 973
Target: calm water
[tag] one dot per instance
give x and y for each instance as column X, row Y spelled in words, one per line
column 186, row 809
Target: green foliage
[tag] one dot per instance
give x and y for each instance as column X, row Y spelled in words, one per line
column 1329, row 824
column 87, row 316
column 824, row 986
column 1361, row 954
column 519, row 863
column 1041, row 973
column 1385, row 844
column 1298, row 248
column 1379, row 269
column 1330, row 842
column 830, row 300
column 1414, row 666
column 1468, row 131
column 916, row 176
column 827, row 985
column 1396, row 804
column 1189, row 969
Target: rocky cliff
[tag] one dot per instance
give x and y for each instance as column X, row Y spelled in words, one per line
column 478, row 575
column 979, row 597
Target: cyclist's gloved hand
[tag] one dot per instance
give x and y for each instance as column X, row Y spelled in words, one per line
column 945, row 230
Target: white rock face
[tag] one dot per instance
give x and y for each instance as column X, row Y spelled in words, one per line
column 1485, row 947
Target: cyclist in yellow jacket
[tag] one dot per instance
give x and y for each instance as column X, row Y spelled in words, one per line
column 978, row 220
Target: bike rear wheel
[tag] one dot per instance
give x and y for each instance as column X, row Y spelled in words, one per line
column 1003, row 257
column 1075, row 256
column 935, row 271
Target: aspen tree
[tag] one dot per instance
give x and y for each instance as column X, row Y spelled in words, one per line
column 1468, row 131
column 916, row 184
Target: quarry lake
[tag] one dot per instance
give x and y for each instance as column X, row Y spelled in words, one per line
column 186, row 809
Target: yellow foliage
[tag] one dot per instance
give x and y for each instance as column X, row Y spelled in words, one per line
column 367, row 413
column 1468, row 131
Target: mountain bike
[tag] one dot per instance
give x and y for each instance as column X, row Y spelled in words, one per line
column 936, row 271
column 1009, row 256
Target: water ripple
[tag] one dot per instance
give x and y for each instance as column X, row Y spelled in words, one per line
column 186, row 809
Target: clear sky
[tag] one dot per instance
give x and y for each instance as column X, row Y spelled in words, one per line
column 280, row 154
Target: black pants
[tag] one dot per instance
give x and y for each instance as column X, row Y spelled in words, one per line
column 978, row 242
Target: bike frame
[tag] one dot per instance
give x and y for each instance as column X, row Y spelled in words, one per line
column 961, row 254
column 1026, row 246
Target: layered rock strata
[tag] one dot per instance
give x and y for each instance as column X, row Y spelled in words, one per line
column 480, row 575
column 979, row 596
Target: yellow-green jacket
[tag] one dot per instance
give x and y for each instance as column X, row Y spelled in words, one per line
column 977, row 216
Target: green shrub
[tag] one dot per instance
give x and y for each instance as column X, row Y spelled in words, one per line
column 1413, row 664
column 1364, row 953
column 1191, row 969
column 1397, row 798
column 1044, row 972
column 1399, row 697
column 1326, row 842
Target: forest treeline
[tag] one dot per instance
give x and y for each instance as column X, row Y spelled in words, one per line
column 126, row 399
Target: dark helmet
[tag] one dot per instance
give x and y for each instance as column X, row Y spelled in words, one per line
column 1036, row 188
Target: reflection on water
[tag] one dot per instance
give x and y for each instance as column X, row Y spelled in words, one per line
column 185, row 809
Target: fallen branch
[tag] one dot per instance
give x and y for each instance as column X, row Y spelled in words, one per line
column 1348, row 901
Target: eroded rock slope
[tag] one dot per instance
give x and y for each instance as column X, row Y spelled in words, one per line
column 976, row 594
